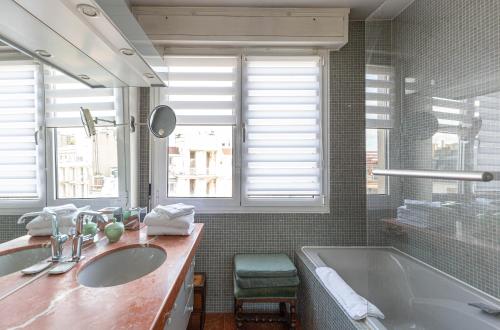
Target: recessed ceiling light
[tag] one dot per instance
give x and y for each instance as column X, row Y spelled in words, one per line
column 149, row 75
column 43, row 53
column 127, row 51
column 83, row 76
column 88, row 10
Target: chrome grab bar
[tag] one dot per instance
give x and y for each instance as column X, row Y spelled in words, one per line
column 443, row 175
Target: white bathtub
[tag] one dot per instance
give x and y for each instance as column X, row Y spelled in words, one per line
column 411, row 294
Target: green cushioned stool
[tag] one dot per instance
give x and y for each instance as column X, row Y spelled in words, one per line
column 265, row 278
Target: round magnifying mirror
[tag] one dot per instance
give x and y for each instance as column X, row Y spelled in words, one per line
column 161, row 121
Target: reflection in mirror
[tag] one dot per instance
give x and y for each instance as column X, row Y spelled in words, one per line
column 446, row 117
column 20, row 134
column 161, row 121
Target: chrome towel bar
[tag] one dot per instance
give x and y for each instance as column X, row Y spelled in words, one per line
column 443, row 175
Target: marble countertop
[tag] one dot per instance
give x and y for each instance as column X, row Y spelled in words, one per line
column 60, row 302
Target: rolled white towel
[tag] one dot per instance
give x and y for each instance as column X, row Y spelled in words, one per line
column 356, row 306
column 44, row 221
column 165, row 230
column 61, row 209
column 48, row 231
column 156, row 219
column 174, row 210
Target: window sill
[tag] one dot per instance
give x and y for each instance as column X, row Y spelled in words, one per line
column 270, row 210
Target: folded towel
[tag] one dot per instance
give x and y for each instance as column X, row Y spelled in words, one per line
column 356, row 306
column 61, row 209
column 174, row 210
column 48, row 231
column 64, row 219
column 156, row 219
column 163, row 230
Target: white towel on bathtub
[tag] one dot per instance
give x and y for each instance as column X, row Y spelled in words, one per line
column 356, row 306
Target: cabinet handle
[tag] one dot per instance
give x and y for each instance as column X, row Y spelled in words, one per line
column 169, row 321
column 189, row 308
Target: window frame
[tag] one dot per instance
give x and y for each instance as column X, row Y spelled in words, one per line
column 16, row 205
column 236, row 204
column 386, row 133
column 50, row 158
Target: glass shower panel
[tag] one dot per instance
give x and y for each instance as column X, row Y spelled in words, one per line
column 444, row 116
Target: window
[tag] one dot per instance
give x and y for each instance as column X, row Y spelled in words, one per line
column 203, row 92
column 248, row 136
column 467, row 140
column 376, row 157
column 379, row 104
column 82, row 167
column 208, row 170
column 282, row 139
column 86, row 167
column 21, row 157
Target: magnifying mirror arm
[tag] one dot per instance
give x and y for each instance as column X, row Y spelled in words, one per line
column 97, row 120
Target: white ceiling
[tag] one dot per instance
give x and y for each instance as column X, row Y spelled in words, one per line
column 360, row 9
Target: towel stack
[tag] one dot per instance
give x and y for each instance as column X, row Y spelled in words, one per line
column 42, row 224
column 418, row 213
column 174, row 219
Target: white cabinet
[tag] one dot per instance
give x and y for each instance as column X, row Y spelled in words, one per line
column 178, row 318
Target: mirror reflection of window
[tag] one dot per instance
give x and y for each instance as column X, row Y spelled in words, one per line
column 379, row 82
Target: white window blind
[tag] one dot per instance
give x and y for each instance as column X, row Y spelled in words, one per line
column 282, row 156
column 379, row 96
column 202, row 90
column 19, row 121
column 64, row 96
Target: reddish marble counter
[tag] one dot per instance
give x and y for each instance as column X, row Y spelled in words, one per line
column 11, row 282
column 60, row 302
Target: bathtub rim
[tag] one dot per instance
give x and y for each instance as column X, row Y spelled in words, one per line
column 481, row 293
column 368, row 323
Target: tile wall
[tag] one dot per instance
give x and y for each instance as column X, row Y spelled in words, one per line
column 227, row 234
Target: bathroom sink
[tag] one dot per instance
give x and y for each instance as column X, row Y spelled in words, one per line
column 20, row 259
column 121, row 266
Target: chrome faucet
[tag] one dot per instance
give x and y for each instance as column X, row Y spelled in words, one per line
column 57, row 239
column 79, row 239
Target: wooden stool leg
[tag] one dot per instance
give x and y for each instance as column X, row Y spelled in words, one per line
column 293, row 316
column 282, row 309
column 238, row 310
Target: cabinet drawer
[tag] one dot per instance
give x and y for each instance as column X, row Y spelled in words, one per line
column 183, row 306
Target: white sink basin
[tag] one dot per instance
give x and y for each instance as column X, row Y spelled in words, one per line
column 121, row 266
column 20, row 259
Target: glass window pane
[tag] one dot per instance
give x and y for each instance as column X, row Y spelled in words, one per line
column 86, row 167
column 375, row 158
column 445, row 157
column 200, row 161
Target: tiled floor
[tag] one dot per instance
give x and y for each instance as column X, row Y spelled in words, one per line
column 226, row 322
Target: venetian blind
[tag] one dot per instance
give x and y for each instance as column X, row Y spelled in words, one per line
column 64, row 96
column 19, row 122
column 202, row 90
column 282, row 156
column 379, row 96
